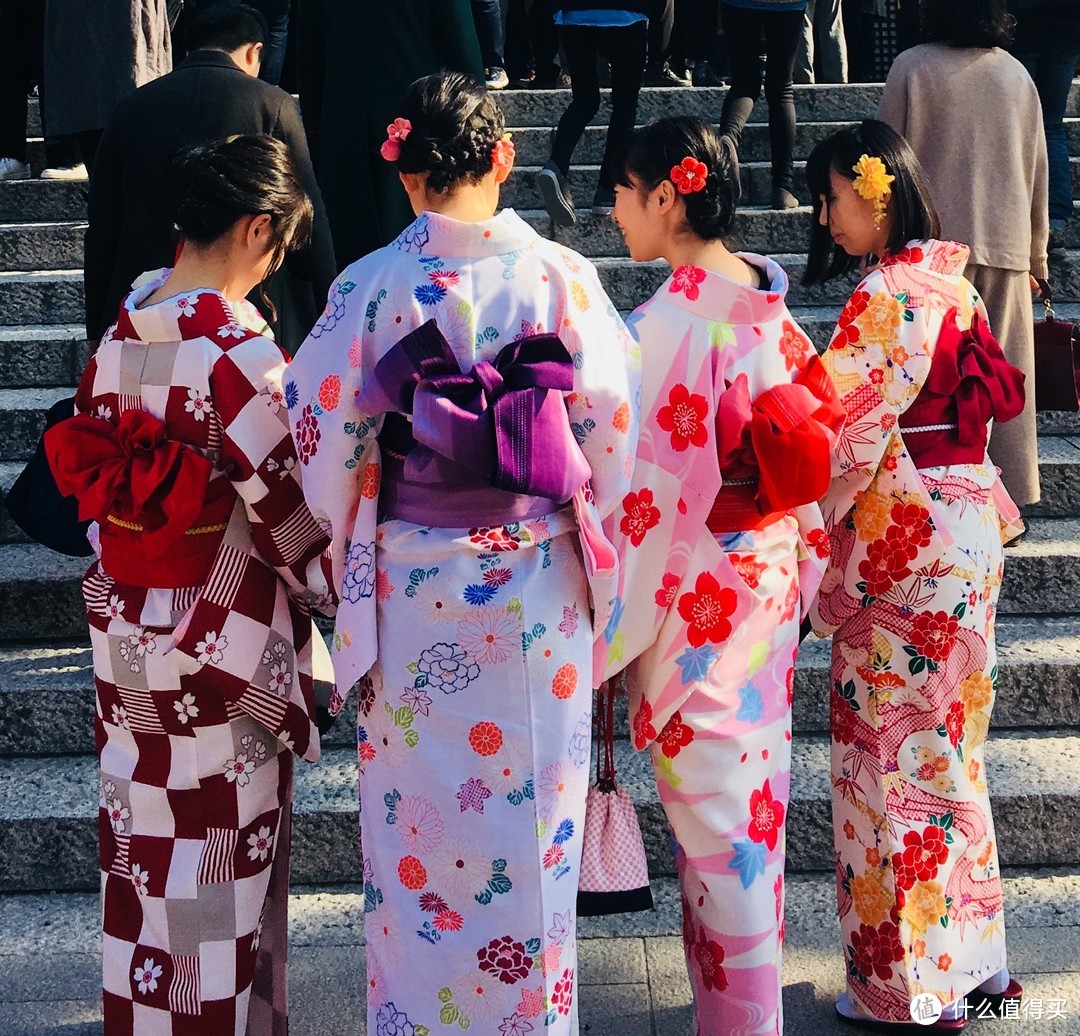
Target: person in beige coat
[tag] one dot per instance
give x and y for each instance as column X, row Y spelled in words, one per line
column 972, row 115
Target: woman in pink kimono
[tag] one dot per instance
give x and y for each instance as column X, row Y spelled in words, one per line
column 199, row 611
column 916, row 516
column 722, row 547
column 464, row 411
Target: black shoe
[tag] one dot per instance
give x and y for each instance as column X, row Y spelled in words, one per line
column 524, row 81
column 663, row 76
column 603, row 201
column 703, row 75
column 1055, row 245
column 558, row 200
column 784, row 199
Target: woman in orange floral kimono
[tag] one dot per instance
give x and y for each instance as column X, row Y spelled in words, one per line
column 916, row 515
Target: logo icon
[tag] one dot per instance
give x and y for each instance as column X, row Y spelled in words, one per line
column 925, row 1009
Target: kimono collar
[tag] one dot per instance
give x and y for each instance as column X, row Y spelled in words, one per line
column 711, row 295
column 434, row 234
column 945, row 258
column 160, row 322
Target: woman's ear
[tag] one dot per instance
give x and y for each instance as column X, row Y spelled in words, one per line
column 665, row 195
column 260, row 232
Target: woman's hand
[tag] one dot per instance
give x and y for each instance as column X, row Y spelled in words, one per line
column 1040, row 287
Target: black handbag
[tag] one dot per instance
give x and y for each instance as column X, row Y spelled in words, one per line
column 36, row 505
column 1057, row 360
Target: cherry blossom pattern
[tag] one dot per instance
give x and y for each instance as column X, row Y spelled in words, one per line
column 146, row 977
column 198, row 405
column 686, row 279
column 211, row 649
column 260, row 844
column 707, row 610
column 118, row 815
column 675, row 736
column 639, row 515
column 684, row 418
column 186, row 709
column 140, row 879
column 766, row 817
column 238, row 771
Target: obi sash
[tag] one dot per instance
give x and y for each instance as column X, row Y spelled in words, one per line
column 486, row 447
column 775, row 453
column 160, row 514
column 970, row 382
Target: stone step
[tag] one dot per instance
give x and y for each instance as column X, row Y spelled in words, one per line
column 48, row 814
column 41, row 355
column 33, row 246
column 36, row 201
column 41, row 297
column 22, row 418
column 47, row 690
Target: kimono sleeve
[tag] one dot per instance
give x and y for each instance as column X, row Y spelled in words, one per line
column 337, row 447
column 259, row 458
column 607, row 382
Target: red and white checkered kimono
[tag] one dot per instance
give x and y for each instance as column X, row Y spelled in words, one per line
column 203, row 692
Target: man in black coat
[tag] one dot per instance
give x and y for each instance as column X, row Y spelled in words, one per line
column 212, row 94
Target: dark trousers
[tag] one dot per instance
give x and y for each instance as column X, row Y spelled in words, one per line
column 273, row 59
column 624, row 47
column 532, row 41
column 743, row 32
column 695, row 32
column 487, row 16
column 661, row 21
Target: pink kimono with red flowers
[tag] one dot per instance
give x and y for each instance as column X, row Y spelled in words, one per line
column 707, row 622
column 910, row 599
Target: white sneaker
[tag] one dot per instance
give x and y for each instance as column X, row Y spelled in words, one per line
column 496, row 79
column 13, row 169
column 67, row 172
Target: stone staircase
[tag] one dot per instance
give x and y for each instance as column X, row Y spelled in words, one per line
column 48, row 788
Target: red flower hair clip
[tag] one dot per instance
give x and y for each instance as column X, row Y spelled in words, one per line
column 396, row 132
column 689, row 175
column 502, row 151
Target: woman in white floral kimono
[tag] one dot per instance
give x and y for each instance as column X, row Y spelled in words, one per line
column 722, row 547
column 916, row 515
column 465, row 415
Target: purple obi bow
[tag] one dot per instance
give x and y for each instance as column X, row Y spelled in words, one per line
column 498, row 425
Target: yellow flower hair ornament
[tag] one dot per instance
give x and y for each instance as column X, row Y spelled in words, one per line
column 872, row 182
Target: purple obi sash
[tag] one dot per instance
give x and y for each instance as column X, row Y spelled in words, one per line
column 484, row 448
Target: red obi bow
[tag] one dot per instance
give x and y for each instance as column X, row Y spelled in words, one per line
column 971, row 377
column 785, row 436
column 130, row 475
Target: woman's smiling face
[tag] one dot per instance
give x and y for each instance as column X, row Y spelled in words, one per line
column 634, row 215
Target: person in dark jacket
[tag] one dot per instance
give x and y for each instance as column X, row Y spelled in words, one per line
column 355, row 70
column 214, row 93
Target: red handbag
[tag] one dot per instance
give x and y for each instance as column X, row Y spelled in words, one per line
column 1057, row 360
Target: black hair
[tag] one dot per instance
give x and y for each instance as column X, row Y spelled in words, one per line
column 910, row 203
column 652, row 151
column 215, row 185
column 968, row 23
column 455, row 125
column 226, row 26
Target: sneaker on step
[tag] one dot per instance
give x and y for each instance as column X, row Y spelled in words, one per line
column 496, row 79
column 703, row 75
column 65, row 172
column 603, row 201
column 664, row 76
column 13, row 169
column 558, row 200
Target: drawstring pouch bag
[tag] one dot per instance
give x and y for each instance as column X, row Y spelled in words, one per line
column 614, row 868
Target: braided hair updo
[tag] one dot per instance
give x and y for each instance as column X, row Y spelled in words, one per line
column 655, row 149
column 455, row 125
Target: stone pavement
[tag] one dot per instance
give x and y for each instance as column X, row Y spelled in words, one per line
column 633, row 980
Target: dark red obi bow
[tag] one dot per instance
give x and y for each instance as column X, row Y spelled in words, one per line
column 785, row 437
column 129, row 475
column 502, row 424
column 970, row 372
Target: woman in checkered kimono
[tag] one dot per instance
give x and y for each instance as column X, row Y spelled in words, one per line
column 199, row 611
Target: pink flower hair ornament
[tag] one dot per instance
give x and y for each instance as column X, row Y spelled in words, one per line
column 689, row 175
column 502, row 151
column 396, row 132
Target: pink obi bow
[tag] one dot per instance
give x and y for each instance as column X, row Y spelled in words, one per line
column 130, row 475
column 502, row 424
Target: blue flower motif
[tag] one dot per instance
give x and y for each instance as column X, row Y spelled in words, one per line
column 564, row 832
column 696, row 663
column 750, row 709
column 613, row 622
column 748, row 861
column 359, row 572
column 414, row 237
column 392, row 1022
column 447, row 667
column 292, row 394
column 478, row 593
column 429, row 294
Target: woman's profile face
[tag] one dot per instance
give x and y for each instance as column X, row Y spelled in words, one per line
column 635, row 219
column 849, row 217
